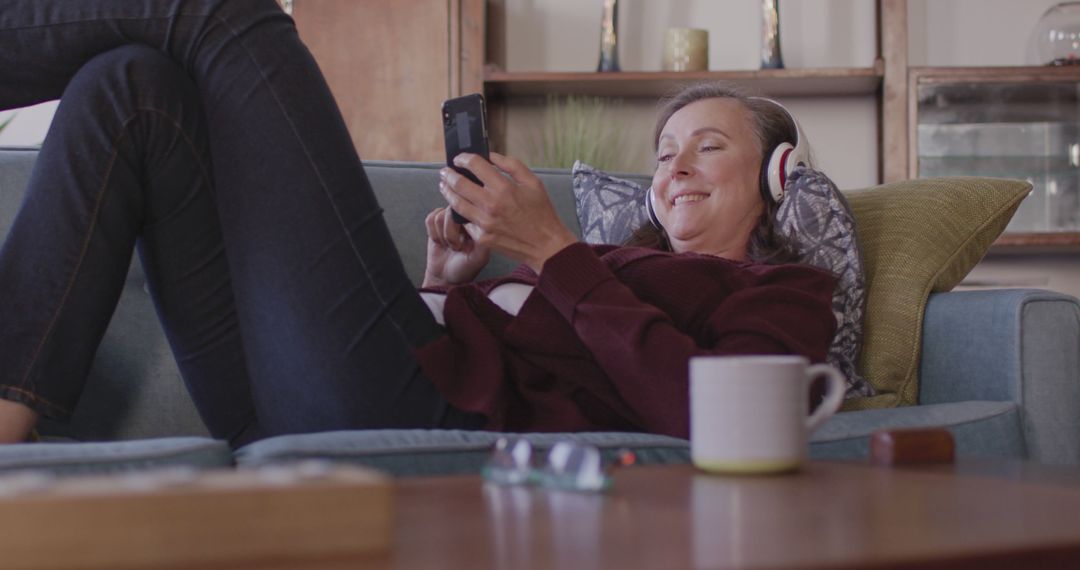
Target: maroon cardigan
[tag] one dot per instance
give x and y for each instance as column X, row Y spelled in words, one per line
column 604, row 341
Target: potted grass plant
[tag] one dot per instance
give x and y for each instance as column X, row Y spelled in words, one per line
column 578, row 127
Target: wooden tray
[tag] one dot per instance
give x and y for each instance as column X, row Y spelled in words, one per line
column 178, row 518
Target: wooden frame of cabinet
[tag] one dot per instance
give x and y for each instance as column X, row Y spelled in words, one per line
column 893, row 49
column 917, row 76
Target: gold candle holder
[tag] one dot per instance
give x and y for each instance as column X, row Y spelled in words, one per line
column 686, row 49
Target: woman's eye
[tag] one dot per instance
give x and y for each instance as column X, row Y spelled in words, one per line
column 663, row 158
column 709, row 148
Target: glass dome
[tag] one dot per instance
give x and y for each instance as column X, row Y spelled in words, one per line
column 1056, row 38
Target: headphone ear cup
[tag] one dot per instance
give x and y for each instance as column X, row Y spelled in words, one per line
column 650, row 209
column 778, row 169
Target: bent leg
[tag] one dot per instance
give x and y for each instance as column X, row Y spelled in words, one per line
column 16, row 422
column 328, row 317
column 126, row 157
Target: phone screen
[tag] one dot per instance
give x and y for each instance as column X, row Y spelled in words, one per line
column 465, row 130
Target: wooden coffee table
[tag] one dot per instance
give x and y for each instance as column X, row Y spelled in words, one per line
column 830, row 515
column 978, row 514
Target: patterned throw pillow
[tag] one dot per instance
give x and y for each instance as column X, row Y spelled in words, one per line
column 818, row 219
column 609, row 208
column 815, row 215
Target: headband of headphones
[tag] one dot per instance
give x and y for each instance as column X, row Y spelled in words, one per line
column 774, row 172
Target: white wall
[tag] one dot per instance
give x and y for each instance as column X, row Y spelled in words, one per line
column 973, row 32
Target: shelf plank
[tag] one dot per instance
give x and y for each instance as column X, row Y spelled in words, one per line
column 994, row 74
column 1025, row 242
column 810, row 82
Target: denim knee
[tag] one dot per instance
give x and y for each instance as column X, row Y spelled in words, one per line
column 130, row 78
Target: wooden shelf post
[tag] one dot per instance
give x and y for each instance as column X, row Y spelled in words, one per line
column 894, row 100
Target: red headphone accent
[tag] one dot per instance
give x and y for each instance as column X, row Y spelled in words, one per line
column 783, row 170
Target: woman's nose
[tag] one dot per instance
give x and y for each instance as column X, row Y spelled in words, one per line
column 681, row 165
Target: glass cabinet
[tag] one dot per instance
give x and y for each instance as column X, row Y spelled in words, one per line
column 1004, row 122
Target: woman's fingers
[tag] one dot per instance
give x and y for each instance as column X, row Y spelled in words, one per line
column 516, row 169
column 433, row 227
column 455, row 235
column 487, row 173
column 445, row 232
column 461, row 193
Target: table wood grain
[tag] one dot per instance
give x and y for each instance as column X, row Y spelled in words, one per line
column 829, row 515
column 974, row 514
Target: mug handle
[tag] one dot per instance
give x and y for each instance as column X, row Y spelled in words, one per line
column 833, row 398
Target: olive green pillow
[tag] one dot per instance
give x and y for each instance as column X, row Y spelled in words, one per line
column 918, row 237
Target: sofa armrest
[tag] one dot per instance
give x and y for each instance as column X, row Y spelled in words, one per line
column 1020, row 345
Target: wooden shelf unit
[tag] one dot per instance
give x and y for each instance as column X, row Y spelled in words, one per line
column 831, row 81
column 991, row 74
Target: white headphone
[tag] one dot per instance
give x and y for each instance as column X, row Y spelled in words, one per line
column 774, row 172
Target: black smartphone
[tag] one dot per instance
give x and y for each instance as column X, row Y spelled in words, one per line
column 465, row 129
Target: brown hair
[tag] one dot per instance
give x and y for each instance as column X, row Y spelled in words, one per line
column 772, row 126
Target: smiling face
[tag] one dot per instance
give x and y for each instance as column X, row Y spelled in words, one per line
column 706, row 186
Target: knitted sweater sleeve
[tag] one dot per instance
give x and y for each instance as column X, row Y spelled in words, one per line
column 646, row 356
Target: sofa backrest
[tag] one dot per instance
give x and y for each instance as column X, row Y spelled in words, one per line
column 408, row 191
column 134, row 389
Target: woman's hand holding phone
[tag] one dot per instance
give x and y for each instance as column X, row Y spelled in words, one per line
column 510, row 213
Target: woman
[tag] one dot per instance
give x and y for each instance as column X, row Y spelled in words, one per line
column 202, row 132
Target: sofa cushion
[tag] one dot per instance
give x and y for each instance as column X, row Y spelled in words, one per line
column 984, row 429
column 918, row 237
column 112, row 457
column 980, row 428
column 442, row 452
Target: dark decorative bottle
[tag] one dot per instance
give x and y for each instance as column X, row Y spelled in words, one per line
column 770, row 35
column 609, row 48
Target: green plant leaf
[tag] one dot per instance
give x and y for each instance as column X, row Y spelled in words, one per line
column 577, row 127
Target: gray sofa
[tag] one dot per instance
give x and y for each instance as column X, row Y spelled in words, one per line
column 999, row 369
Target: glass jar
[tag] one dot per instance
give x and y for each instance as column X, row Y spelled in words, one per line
column 1056, row 37
column 1019, row 129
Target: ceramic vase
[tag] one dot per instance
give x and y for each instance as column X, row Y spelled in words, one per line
column 609, row 39
column 770, row 35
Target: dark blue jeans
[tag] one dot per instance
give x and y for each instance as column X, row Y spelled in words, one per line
column 202, row 132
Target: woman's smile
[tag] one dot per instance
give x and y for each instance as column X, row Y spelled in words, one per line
column 688, row 197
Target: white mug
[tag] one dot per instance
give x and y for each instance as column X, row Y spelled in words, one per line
column 748, row 414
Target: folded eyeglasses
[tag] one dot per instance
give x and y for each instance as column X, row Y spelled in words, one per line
column 570, row 466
